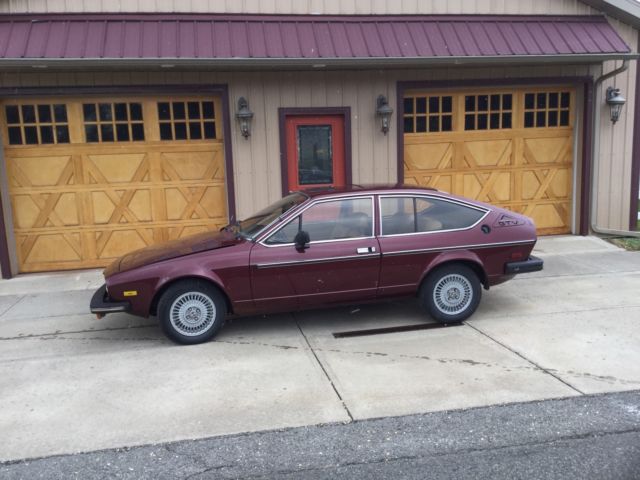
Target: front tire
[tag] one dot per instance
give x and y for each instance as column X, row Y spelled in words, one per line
column 451, row 293
column 191, row 312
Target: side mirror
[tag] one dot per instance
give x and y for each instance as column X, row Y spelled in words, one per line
column 301, row 240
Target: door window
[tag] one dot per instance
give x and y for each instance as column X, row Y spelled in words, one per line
column 315, row 157
column 334, row 220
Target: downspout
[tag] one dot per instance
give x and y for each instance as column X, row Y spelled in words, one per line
column 596, row 156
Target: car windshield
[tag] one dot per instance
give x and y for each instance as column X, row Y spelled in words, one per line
column 253, row 225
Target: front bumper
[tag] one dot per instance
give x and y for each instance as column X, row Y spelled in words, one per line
column 101, row 303
column 532, row 264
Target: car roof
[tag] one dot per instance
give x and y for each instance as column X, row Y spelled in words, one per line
column 371, row 188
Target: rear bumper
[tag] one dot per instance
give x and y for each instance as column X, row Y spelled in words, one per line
column 101, row 304
column 532, row 264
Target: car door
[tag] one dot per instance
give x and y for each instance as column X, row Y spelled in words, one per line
column 340, row 264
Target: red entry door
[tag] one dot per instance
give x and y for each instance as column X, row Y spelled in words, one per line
column 315, row 151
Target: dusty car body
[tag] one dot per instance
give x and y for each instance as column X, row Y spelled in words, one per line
column 322, row 248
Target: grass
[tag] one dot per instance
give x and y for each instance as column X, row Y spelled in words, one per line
column 628, row 243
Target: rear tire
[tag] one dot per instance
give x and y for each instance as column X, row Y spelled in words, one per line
column 451, row 293
column 191, row 312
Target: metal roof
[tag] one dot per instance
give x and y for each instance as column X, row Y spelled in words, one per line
column 311, row 39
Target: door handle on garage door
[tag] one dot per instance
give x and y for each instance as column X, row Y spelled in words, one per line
column 363, row 250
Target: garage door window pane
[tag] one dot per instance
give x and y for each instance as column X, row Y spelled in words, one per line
column 209, row 130
column 13, row 115
column 178, row 110
column 28, row 114
column 181, row 131
column 106, row 132
column 89, row 112
column 60, row 113
column 121, row 112
column 165, row 131
column 192, row 120
column 31, row 135
column 113, row 122
column 15, row 136
column 62, row 134
column 36, row 124
column 44, row 113
column 46, row 134
column 195, row 131
column 137, row 131
column 122, row 132
column 135, row 111
column 105, row 111
column 164, row 111
column 208, row 110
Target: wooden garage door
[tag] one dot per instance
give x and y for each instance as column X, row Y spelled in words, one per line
column 91, row 179
column 510, row 147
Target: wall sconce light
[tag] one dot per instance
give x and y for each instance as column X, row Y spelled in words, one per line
column 244, row 116
column 384, row 111
column 615, row 102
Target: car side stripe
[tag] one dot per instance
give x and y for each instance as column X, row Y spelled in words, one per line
column 460, row 247
column 315, row 260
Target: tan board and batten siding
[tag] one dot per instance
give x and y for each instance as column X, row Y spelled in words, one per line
column 78, row 203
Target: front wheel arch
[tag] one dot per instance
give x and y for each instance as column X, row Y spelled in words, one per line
column 153, row 310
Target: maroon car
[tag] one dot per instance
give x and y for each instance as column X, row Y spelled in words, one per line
column 320, row 248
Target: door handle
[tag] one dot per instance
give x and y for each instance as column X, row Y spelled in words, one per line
column 363, row 250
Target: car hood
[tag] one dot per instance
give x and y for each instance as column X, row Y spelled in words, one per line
column 176, row 248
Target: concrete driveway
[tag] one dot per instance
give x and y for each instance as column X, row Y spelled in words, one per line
column 70, row 383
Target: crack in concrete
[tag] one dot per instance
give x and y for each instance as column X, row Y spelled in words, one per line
column 335, row 389
column 12, row 305
column 515, row 352
column 72, row 332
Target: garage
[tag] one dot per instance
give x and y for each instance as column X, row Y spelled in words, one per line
column 95, row 177
column 509, row 147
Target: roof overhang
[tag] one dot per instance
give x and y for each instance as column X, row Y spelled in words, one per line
column 225, row 42
column 305, row 63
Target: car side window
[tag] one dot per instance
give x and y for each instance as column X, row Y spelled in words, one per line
column 333, row 220
column 397, row 215
column 420, row 214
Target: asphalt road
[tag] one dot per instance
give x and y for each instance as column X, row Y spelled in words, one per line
column 588, row 437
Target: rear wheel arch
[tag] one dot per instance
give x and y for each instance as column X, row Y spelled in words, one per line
column 153, row 310
column 473, row 264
